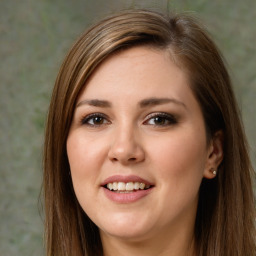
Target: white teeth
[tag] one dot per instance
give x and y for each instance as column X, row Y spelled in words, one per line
column 142, row 185
column 136, row 185
column 115, row 186
column 121, row 186
column 110, row 186
column 129, row 186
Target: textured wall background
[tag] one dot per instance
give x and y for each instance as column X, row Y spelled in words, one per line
column 34, row 36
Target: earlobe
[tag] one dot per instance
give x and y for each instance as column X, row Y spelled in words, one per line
column 215, row 155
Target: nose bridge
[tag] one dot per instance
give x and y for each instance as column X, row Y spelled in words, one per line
column 126, row 145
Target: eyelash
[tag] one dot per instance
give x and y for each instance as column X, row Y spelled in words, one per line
column 168, row 119
column 85, row 120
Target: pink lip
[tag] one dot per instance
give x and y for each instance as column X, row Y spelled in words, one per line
column 121, row 178
column 125, row 198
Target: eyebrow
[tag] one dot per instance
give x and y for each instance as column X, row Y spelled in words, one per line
column 95, row 103
column 159, row 101
column 143, row 103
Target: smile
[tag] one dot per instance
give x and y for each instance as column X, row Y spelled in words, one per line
column 126, row 187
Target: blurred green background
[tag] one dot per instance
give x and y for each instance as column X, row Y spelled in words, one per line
column 34, row 38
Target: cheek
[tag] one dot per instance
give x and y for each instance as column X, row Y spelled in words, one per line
column 84, row 155
column 84, row 158
column 180, row 157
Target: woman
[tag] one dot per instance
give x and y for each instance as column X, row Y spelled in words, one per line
column 145, row 153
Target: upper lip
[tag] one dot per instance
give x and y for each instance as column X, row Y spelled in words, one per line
column 125, row 179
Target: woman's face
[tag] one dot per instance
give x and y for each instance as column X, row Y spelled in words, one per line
column 137, row 147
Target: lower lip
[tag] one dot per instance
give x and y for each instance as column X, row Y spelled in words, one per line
column 125, row 198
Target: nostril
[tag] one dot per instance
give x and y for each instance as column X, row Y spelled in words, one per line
column 132, row 159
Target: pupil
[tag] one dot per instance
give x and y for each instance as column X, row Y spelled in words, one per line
column 159, row 120
column 98, row 120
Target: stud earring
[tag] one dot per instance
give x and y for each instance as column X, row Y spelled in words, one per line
column 214, row 172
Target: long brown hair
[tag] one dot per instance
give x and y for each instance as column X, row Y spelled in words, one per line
column 225, row 217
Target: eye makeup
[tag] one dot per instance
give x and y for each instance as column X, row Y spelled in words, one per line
column 160, row 119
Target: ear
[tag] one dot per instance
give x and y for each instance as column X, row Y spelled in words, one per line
column 215, row 155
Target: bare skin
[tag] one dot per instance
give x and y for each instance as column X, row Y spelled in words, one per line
column 137, row 119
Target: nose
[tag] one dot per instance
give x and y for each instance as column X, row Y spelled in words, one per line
column 126, row 148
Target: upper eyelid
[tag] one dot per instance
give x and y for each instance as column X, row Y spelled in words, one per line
column 147, row 117
column 95, row 114
column 168, row 116
column 89, row 116
column 163, row 114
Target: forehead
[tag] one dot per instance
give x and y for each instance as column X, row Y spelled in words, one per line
column 136, row 70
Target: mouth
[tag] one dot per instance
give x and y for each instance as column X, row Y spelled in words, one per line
column 122, row 189
column 127, row 187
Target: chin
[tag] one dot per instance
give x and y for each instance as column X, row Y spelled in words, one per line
column 126, row 227
column 131, row 235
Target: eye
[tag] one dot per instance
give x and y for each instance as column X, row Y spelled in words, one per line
column 96, row 119
column 160, row 119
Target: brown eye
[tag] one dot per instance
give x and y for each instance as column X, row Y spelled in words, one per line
column 94, row 120
column 161, row 119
